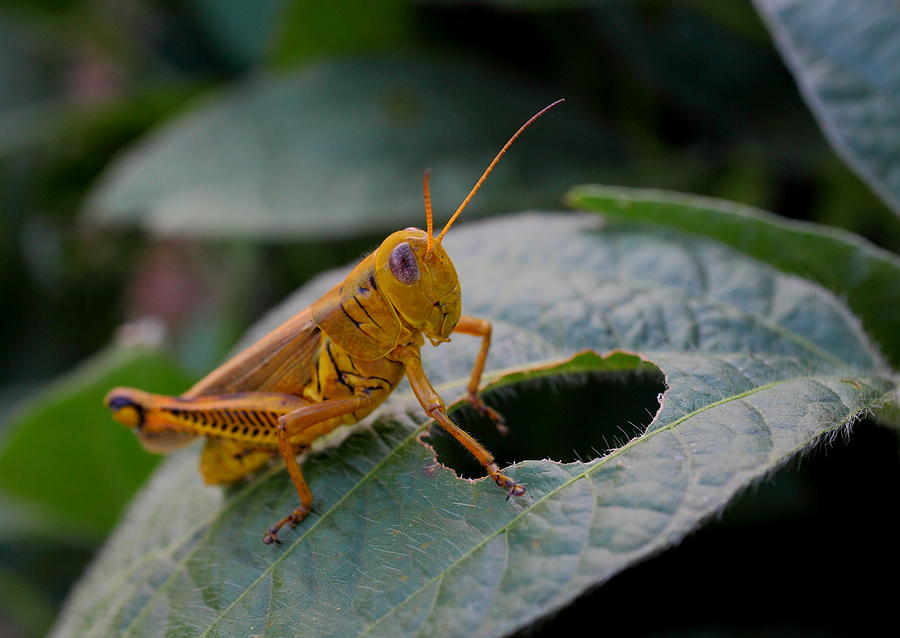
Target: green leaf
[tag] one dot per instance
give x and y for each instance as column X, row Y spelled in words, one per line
column 759, row 365
column 310, row 29
column 863, row 274
column 339, row 149
column 65, row 465
column 845, row 56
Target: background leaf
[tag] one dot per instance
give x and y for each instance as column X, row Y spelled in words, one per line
column 311, row 29
column 845, row 56
column 352, row 138
column 758, row 364
column 242, row 29
column 863, row 274
column 30, row 69
column 61, row 441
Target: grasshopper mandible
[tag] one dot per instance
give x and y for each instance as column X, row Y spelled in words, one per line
column 331, row 364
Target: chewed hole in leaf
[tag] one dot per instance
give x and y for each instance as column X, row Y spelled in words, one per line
column 572, row 417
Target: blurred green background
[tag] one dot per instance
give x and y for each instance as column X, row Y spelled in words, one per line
column 690, row 95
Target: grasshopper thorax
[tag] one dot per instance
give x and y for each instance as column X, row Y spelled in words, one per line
column 421, row 284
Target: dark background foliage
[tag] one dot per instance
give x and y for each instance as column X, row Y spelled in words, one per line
column 694, row 96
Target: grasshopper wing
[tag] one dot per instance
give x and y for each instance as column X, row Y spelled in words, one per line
column 282, row 361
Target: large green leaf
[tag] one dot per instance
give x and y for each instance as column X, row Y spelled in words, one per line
column 292, row 31
column 845, row 56
column 759, row 364
column 351, row 138
column 865, row 275
column 310, row 29
column 63, row 470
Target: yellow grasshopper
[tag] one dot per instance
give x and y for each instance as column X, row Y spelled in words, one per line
column 331, row 364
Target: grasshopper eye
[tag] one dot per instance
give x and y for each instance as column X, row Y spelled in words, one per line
column 403, row 264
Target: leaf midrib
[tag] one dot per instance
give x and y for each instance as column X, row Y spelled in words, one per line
column 260, row 479
column 591, row 466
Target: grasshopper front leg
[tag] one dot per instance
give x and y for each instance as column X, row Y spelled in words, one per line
column 434, row 407
column 480, row 328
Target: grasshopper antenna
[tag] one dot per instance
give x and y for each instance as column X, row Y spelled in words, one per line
column 490, row 167
column 428, row 218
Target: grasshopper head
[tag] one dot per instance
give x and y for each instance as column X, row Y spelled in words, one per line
column 420, row 283
column 414, row 272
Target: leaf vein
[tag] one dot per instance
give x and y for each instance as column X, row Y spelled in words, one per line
column 591, row 468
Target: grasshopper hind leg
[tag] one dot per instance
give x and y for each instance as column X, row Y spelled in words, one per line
column 312, row 420
column 289, row 454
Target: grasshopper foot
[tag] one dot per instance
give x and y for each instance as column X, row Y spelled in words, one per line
column 513, row 488
column 293, row 519
column 504, row 482
column 486, row 410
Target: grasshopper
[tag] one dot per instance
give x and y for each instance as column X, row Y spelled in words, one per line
column 331, row 364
